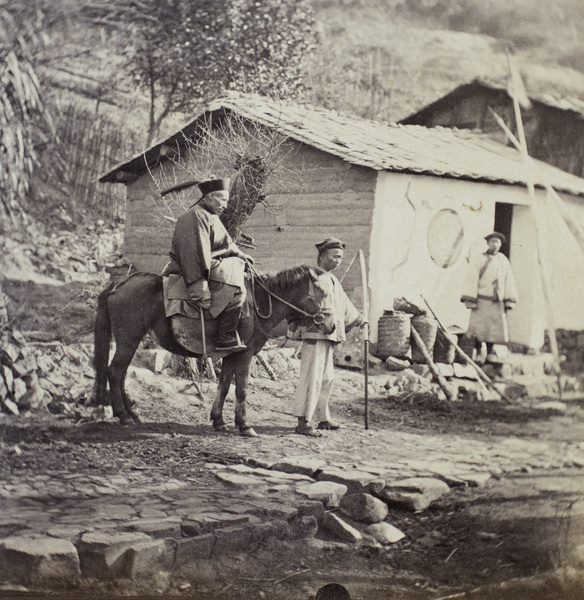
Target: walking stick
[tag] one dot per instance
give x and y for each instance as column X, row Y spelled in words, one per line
column 206, row 359
column 365, row 334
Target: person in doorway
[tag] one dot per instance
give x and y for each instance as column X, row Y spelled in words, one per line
column 311, row 400
column 209, row 262
column 489, row 292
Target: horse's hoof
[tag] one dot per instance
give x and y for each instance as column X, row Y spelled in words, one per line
column 248, row 432
column 126, row 420
column 136, row 419
column 222, row 427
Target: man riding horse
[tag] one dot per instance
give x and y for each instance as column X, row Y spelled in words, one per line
column 210, row 264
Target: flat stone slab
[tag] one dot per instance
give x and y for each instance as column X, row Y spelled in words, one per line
column 209, row 522
column 327, row 492
column 36, row 559
column 414, row 493
column 354, row 480
column 302, row 465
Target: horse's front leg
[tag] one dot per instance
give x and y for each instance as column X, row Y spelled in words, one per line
column 241, row 381
column 225, row 377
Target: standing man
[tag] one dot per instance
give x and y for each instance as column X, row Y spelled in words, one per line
column 489, row 291
column 211, row 265
column 311, row 400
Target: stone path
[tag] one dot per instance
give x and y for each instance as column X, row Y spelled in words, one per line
column 58, row 526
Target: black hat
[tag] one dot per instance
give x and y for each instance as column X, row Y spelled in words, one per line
column 206, row 187
column 496, row 234
column 329, row 243
column 214, row 185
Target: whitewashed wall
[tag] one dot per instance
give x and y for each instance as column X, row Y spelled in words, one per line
column 399, row 234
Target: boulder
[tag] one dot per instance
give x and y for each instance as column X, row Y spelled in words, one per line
column 364, row 508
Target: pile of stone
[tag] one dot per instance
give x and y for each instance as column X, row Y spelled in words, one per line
column 44, row 376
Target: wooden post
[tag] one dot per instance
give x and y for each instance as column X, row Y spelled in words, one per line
column 365, row 333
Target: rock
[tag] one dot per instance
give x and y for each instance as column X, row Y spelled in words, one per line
column 11, row 406
column 147, row 557
column 354, row 480
column 19, row 390
column 237, row 480
column 158, row 528
column 101, row 554
column 415, row 493
column 311, row 507
column 364, row 508
column 385, row 533
column 190, row 550
column 422, row 370
column 464, row 371
column 303, row 465
column 305, row 527
column 474, row 479
column 38, row 559
column 396, row 364
column 327, row 492
column 207, row 522
column 445, row 369
column 340, row 529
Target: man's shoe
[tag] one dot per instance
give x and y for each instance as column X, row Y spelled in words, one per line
column 328, row 425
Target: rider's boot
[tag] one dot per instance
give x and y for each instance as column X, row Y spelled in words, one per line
column 227, row 337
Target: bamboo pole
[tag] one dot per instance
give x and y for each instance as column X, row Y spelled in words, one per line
column 538, row 236
column 447, row 389
column 481, row 374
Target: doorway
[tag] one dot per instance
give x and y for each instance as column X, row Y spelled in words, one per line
column 503, row 221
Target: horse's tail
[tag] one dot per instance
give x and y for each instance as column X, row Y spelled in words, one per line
column 102, row 335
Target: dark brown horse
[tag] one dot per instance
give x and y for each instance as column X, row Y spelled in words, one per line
column 132, row 308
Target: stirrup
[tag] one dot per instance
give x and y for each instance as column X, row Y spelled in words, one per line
column 231, row 345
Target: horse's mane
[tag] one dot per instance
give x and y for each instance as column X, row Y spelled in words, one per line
column 289, row 278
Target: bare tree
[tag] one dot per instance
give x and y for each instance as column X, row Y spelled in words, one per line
column 255, row 155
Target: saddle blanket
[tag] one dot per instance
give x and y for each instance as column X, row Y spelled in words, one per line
column 185, row 318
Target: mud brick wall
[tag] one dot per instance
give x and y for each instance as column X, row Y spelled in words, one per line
column 316, row 195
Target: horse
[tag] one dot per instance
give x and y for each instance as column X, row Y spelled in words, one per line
column 128, row 310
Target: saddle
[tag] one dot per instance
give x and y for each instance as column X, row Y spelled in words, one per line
column 185, row 319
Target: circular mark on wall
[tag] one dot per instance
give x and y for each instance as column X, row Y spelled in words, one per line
column 444, row 237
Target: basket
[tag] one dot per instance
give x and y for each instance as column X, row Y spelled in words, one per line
column 426, row 327
column 393, row 334
column 444, row 350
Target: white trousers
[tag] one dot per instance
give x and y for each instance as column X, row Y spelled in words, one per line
column 316, row 381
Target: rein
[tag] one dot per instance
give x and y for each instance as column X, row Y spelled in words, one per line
column 317, row 317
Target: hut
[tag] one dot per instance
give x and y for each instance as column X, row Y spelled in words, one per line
column 554, row 125
column 416, row 200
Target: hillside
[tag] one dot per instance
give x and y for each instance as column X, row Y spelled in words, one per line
column 386, row 59
column 378, row 58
